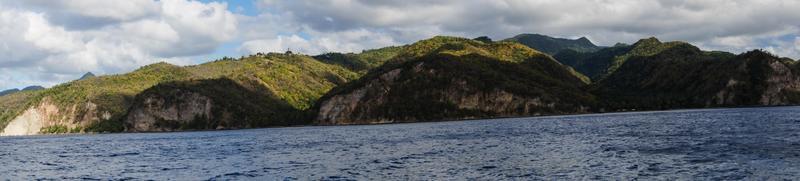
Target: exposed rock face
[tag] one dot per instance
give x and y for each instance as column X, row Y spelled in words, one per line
column 344, row 109
column 208, row 104
column 758, row 79
column 435, row 89
column 46, row 114
column 29, row 123
column 780, row 81
column 157, row 114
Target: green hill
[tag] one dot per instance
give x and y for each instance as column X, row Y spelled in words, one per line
column 445, row 78
column 100, row 104
column 441, row 78
column 685, row 77
column 597, row 65
column 361, row 62
column 221, row 103
column 552, row 46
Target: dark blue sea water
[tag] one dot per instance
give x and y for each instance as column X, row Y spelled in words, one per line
column 724, row 144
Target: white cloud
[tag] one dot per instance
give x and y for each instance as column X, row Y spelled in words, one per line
column 344, row 41
column 797, row 43
column 211, row 20
column 279, row 44
column 117, row 10
column 603, row 21
column 785, row 48
column 38, row 39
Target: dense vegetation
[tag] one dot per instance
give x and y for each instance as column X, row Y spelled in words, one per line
column 296, row 79
column 594, row 64
column 245, row 102
column 552, row 45
column 286, row 89
column 433, row 69
column 361, row 62
column 686, row 77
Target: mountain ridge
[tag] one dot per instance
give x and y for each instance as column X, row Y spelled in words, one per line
column 456, row 79
column 551, row 45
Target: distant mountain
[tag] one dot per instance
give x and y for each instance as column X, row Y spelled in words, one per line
column 9, row 91
column 484, row 39
column 86, row 76
column 32, row 88
column 552, row 46
column 29, row 88
column 447, row 78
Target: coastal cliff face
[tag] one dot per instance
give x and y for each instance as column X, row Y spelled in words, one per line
column 47, row 117
column 685, row 77
column 761, row 79
column 157, row 114
column 209, row 104
column 457, row 81
column 393, row 98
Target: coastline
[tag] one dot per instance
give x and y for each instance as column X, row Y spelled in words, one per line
column 433, row 121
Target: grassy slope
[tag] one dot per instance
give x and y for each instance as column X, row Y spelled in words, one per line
column 503, row 51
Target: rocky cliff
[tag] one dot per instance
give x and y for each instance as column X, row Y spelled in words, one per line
column 458, row 79
column 47, row 117
column 685, row 77
column 209, row 104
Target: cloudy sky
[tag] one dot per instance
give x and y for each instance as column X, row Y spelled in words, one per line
column 46, row 42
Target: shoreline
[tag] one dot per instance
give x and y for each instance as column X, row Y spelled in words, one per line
column 435, row 121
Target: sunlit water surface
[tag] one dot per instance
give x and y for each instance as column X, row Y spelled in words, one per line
column 748, row 143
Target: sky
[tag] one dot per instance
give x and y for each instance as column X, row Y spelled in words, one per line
column 47, row 42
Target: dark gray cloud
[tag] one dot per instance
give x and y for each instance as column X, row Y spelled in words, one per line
column 604, row 21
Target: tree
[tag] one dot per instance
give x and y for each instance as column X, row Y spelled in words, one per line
column 484, row 39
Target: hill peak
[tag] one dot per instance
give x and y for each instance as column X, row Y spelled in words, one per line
column 87, row 75
column 647, row 41
column 158, row 65
column 33, row 87
column 9, row 91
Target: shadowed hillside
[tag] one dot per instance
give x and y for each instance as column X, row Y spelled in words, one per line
column 552, row 46
column 447, row 78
